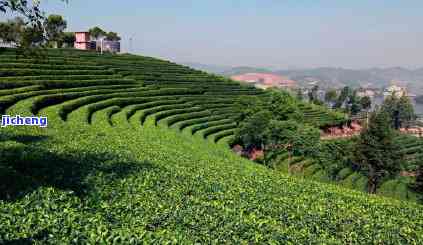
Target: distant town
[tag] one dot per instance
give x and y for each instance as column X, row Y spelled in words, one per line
column 376, row 94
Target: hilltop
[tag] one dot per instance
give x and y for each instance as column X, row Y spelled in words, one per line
column 136, row 149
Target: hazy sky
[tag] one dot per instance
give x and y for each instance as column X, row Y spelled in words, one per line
column 264, row 33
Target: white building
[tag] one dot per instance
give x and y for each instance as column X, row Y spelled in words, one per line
column 366, row 92
column 395, row 90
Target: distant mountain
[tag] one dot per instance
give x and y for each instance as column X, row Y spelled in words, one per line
column 398, row 73
column 208, row 68
column 329, row 77
column 334, row 77
column 376, row 77
column 245, row 69
column 227, row 70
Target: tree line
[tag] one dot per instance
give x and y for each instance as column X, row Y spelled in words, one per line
column 347, row 99
column 18, row 32
column 31, row 29
column 276, row 125
column 97, row 33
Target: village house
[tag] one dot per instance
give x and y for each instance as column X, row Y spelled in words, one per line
column 83, row 41
column 362, row 92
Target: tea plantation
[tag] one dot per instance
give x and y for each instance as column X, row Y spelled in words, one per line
column 340, row 169
column 135, row 152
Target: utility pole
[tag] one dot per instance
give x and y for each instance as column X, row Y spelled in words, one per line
column 130, row 44
column 101, row 45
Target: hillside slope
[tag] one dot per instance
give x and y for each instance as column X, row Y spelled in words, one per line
column 118, row 164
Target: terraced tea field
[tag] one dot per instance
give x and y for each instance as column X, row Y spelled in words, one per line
column 348, row 175
column 128, row 86
column 135, row 151
column 320, row 116
column 412, row 147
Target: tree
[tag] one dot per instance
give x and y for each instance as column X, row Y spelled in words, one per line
column 273, row 123
column 32, row 36
column 11, row 30
column 252, row 132
column 376, row 151
column 345, row 93
column 248, row 106
column 313, row 95
column 96, row 32
column 30, row 10
column 406, row 111
column 330, row 97
column 296, row 138
column 5, row 32
column 283, row 106
column 400, row 110
column 33, row 19
column 303, row 138
column 54, row 26
column 281, row 132
column 390, row 106
column 353, row 105
column 280, row 136
column 366, row 102
column 112, row 36
column 26, row 37
column 68, row 38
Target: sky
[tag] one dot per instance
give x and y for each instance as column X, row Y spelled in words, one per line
column 264, row 33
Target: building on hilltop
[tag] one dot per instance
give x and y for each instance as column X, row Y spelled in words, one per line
column 83, row 41
column 108, row 46
column 362, row 92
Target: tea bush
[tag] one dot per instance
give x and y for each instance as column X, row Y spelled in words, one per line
column 95, row 175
